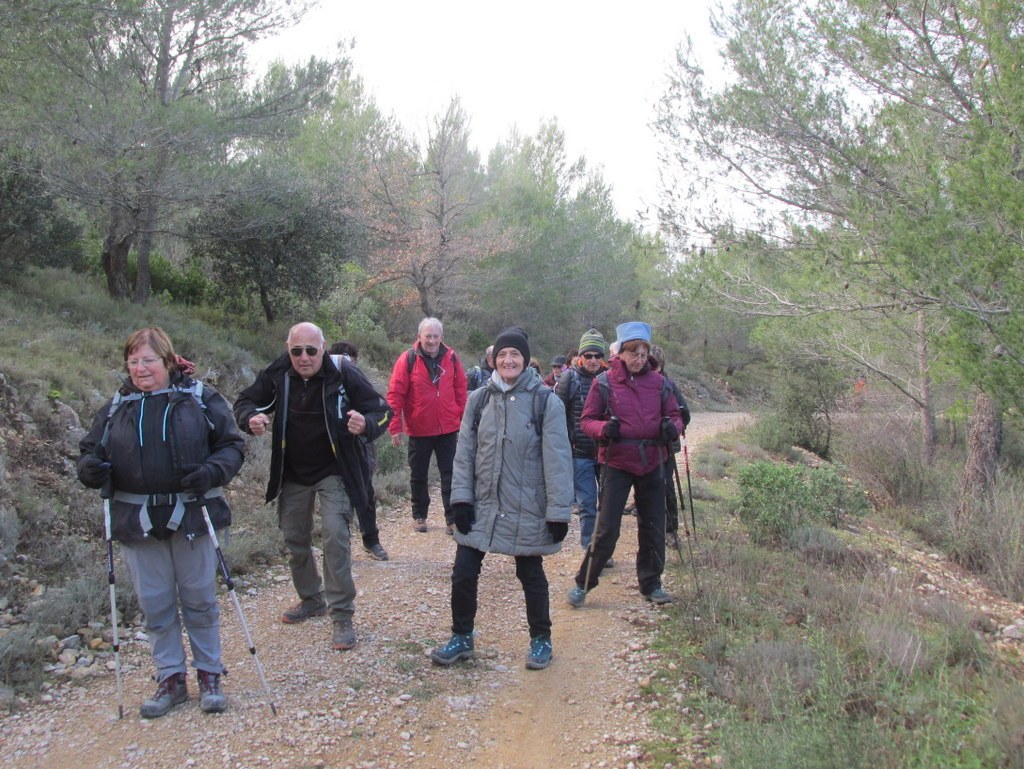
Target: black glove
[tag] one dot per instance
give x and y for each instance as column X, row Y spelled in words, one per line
column 93, row 472
column 558, row 530
column 611, row 430
column 198, row 479
column 669, row 433
column 463, row 516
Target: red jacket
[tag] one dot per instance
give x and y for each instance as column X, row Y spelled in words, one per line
column 422, row 407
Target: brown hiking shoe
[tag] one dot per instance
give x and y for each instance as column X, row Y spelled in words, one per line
column 303, row 610
column 170, row 692
column 419, row 525
column 344, row 636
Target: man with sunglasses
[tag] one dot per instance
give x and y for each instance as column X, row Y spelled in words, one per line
column 319, row 412
column 427, row 394
column 572, row 387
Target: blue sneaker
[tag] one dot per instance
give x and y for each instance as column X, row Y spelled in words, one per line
column 460, row 647
column 658, row 596
column 539, row 656
column 577, row 596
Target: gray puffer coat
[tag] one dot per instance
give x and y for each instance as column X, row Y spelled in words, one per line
column 516, row 479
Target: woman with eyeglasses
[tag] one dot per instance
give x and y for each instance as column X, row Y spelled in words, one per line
column 161, row 449
column 572, row 387
column 634, row 417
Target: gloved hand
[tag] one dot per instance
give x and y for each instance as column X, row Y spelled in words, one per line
column 463, row 515
column 669, row 433
column 93, row 472
column 198, row 479
column 558, row 530
column 611, row 430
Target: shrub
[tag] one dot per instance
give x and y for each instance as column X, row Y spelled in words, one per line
column 776, row 499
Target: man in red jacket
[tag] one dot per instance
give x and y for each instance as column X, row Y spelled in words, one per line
column 427, row 393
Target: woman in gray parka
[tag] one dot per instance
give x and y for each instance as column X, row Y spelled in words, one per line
column 511, row 490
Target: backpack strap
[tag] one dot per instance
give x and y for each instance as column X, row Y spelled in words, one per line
column 410, row 360
column 540, row 396
column 195, row 390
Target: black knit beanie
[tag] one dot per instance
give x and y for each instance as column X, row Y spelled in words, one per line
column 513, row 336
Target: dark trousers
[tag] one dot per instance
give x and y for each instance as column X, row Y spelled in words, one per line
column 649, row 495
column 466, row 577
column 368, row 517
column 420, row 449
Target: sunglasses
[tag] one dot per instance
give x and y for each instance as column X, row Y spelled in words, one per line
column 309, row 349
column 592, row 355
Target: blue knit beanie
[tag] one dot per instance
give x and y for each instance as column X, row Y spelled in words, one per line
column 633, row 330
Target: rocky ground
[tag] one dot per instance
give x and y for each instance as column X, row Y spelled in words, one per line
column 383, row 704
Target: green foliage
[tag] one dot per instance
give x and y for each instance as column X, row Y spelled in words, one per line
column 33, row 229
column 776, row 499
column 804, row 398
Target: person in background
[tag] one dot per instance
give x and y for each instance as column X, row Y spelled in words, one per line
column 320, row 415
column 634, row 417
column 510, row 495
column 427, row 394
column 479, row 374
column 162, row 448
column 558, row 364
column 573, row 387
column 672, row 503
column 368, row 516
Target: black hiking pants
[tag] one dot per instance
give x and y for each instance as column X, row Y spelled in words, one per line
column 466, row 577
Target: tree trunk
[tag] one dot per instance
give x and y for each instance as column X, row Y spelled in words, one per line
column 978, row 483
column 116, row 246
column 927, row 406
column 143, row 279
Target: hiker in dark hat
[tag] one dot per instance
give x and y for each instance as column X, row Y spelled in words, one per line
column 511, row 491
column 558, row 364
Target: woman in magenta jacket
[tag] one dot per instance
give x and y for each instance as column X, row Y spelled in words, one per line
column 634, row 417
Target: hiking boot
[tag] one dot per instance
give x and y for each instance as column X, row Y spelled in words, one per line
column 344, row 636
column 539, row 656
column 658, row 596
column 609, row 564
column 303, row 610
column 211, row 698
column 672, row 540
column 170, row 692
column 377, row 552
column 577, row 596
column 451, row 529
column 419, row 525
column 460, row 647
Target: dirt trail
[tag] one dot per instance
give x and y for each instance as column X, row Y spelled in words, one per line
column 384, row 704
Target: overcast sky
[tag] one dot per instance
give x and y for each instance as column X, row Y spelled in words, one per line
column 597, row 68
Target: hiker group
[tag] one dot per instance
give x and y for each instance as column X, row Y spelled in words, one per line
column 517, row 453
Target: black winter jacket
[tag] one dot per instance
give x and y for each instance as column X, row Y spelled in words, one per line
column 151, row 440
column 344, row 389
column 572, row 387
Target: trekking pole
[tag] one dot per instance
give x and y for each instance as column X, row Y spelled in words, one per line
column 105, row 492
column 689, row 545
column 234, row 599
column 689, row 487
column 597, row 520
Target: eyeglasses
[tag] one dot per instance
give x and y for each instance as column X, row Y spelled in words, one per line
column 146, row 362
column 592, row 355
column 309, row 349
column 437, row 375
